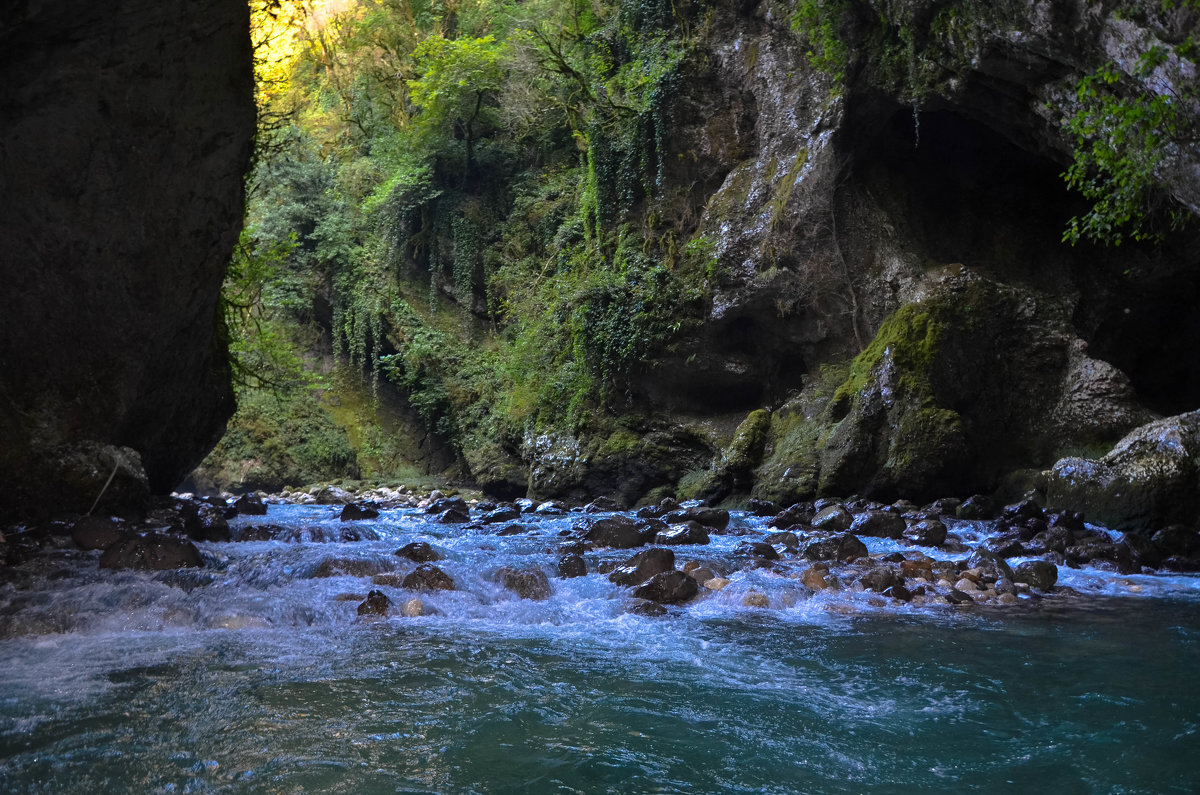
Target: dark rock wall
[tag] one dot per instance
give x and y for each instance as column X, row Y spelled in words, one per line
column 125, row 132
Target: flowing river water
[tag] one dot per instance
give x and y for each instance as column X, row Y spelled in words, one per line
column 256, row 674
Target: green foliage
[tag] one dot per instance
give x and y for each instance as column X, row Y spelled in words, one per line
column 820, row 25
column 1123, row 129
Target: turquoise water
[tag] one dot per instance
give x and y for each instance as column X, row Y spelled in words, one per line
column 262, row 680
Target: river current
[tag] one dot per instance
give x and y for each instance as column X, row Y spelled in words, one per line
column 256, row 674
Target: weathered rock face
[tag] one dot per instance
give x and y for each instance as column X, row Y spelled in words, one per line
column 125, row 132
column 1148, row 481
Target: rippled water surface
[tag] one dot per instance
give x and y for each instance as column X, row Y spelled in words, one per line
column 265, row 679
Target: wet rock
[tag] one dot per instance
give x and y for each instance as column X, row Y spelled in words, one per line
column 418, row 551
column 709, row 517
column 967, row 585
column 1071, row 520
column 505, row 513
column 928, row 533
column 350, row 535
column 643, row 566
column 602, row 505
column 1020, row 511
column 649, row 609
column 957, row 597
column 250, row 504
column 92, row 532
column 878, row 524
column 757, row 507
column 389, row 579
column 186, row 580
column 151, row 552
column 1056, row 539
column 1141, row 550
column 359, row 510
column 690, row 532
column 454, row 515
column 428, row 578
column 701, row 574
column 525, row 505
column 756, row 599
column 946, row 506
column 1038, row 574
column 551, row 508
column 716, row 583
column 413, row 608
column 618, row 532
column 376, row 604
column 349, row 567
column 881, row 579
column 669, row 587
column 814, row 579
column 1005, row 547
column 1090, row 550
column 992, row 567
column 443, row 504
column 833, row 518
column 513, row 529
column 259, row 532
column 783, row 538
column 332, row 495
column 758, row 549
column 916, row 568
column 530, row 584
column 665, row 506
column 1177, row 541
column 1149, row 479
column 800, row 513
column 845, row 548
column 976, row 507
column 572, row 566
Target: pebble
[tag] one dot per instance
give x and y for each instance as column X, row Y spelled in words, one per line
column 966, row 584
column 716, row 583
column 413, row 608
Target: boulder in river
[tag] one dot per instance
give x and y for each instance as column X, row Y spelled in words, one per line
column 92, row 532
column 428, row 578
column 1038, row 574
column 669, row 587
column 927, row 533
column 333, row 495
column 845, row 548
column 250, row 504
column 151, row 552
column 505, row 513
column 572, row 565
column 376, row 604
column 689, row 532
column 1177, row 541
column 348, row 566
column 716, row 518
column 878, row 524
column 619, row 532
column 642, row 566
column 833, row 518
column 525, row 583
column 359, row 510
column 1149, row 479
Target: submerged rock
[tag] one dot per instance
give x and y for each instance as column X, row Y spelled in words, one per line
column 428, row 578
column 92, row 532
column 151, row 552
column 526, row 583
column 418, row 551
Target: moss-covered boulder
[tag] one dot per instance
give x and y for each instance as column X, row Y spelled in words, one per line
column 1149, row 480
column 973, row 381
column 732, row 471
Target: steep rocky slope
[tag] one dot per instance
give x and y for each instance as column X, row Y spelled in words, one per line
column 125, row 131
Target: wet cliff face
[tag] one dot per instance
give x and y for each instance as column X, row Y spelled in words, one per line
column 125, row 131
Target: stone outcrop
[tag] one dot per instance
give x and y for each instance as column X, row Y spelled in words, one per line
column 125, row 133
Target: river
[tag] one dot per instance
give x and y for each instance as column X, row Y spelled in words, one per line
column 257, row 674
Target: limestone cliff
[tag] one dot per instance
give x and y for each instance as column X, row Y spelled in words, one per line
column 125, row 131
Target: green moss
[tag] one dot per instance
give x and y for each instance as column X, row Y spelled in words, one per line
column 910, row 337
